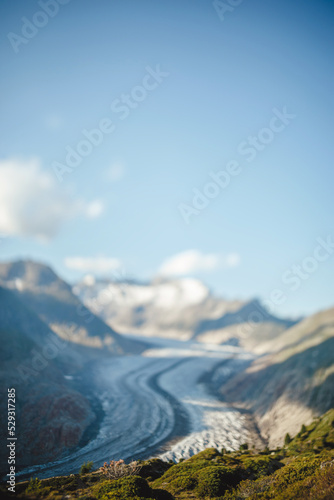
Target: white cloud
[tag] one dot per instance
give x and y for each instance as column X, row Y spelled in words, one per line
column 94, row 209
column 32, row 204
column 92, row 264
column 193, row 261
column 115, row 172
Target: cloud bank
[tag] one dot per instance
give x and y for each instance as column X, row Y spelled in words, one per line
column 33, row 205
column 193, row 261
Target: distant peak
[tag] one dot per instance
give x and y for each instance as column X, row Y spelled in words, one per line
column 27, row 271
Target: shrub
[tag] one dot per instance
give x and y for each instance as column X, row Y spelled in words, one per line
column 162, row 495
column 86, row 467
column 250, row 488
column 296, row 471
column 153, row 469
column 124, row 488
column 118, row 468
column 63, row 483
column 34, row 486
column 207, row 454
column 262, row 466
column 182, row 481
column 243, row 447
column 185, row 476
column 287, row 439
column 322, row 487
column 213, row 481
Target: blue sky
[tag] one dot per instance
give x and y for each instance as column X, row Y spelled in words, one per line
column 223, row 80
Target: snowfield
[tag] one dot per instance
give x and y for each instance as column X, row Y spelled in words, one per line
column 161, row 403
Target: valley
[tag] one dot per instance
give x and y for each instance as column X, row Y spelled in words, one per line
column 196, row 371
column 161, row 402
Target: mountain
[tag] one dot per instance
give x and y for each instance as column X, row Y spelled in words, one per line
column 250, row 326
column 52, row 299
column 52, row 414
column 161, row 308
column 292, row 384
column 181, row 308
column 48, row 339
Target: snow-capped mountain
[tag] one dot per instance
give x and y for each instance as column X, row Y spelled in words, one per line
column 179, row 308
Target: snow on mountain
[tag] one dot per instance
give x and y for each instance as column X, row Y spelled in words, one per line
column 181, row 293
column 168, row 308
column 178, row 308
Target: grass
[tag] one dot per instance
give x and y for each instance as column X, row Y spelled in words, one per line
column 302, row 470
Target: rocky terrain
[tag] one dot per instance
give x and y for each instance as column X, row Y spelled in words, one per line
column 51, row 298
column 48, row 340
column 294, row 382
column 52, row 414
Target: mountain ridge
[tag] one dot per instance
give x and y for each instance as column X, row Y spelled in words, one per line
column 293, row 382
column 179, row 308
column 39, row 287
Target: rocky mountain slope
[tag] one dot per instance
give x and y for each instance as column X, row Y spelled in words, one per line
column 292, row 384
column 52, row 299
column 181, row 309
column 52, row 414
column 48, row 339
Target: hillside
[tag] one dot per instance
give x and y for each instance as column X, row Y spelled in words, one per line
column 52, row 413
column 303, row 469
column 292, row 384
column 51, row 298
column 48, row 339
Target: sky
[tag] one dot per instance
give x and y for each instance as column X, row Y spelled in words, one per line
column 172, row 138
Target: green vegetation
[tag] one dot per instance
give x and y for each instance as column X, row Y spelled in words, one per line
column 243, row 447
column 86, row 467
column 302, row 470
column 126, row 487
column 287, row 439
